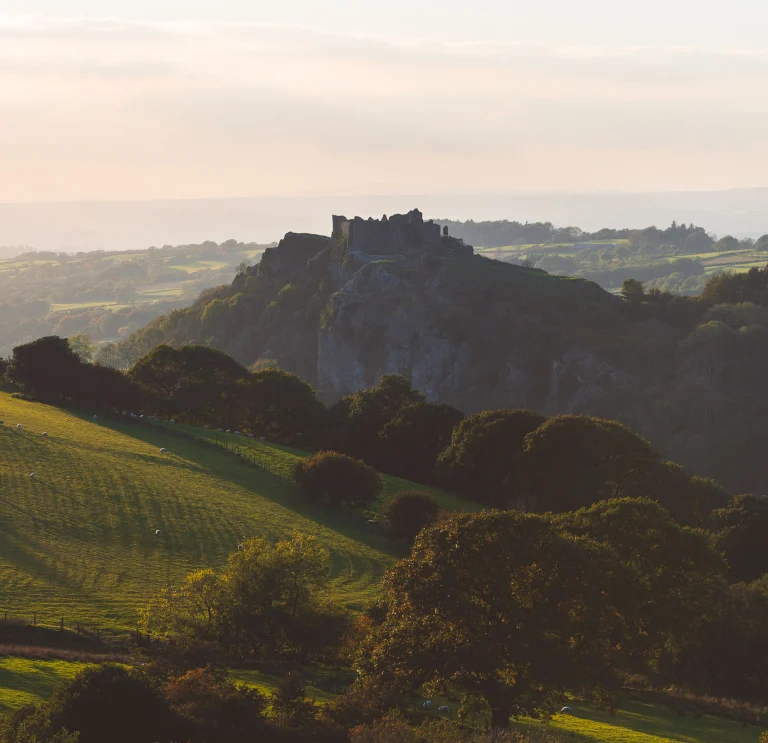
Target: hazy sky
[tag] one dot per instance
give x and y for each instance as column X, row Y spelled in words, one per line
column 125, row 99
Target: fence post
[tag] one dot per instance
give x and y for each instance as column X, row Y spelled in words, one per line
column 61, row 626
column 34, row 618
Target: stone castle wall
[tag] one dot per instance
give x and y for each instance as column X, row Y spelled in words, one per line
column 396, row 234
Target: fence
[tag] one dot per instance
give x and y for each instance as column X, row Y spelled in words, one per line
column 19, row 625
column 228, row 442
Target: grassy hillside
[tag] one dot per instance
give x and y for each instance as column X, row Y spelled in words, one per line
column 78, row 541
column 28, row 681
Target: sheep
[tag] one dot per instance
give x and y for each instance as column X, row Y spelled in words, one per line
column 261, row 438
column 228, row 431
column 163, row 450
column 157, row 532
column 251, row 436
column 31, row 475
column 44, row 434
column 237, row 433
column 240, row 547
column 2, row 422
column 95, row 417
column 566, row 711
column 427, row 704
column 19, row 426
column 173, row 420
column 444, row 710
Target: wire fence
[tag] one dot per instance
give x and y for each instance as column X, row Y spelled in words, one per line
column 21, row 624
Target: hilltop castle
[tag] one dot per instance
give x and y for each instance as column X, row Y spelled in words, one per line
column 401, row 233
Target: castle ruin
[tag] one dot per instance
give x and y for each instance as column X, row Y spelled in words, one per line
column 400, row 233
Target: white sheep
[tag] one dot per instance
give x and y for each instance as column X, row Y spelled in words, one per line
column 1, row 423
column 427, row 704
column 31, row 475
column 19, row 426
column 444, row 710
column 251, row 436
column 157, row 532
column 44, row 434
column 566, row 711
column 163, row 450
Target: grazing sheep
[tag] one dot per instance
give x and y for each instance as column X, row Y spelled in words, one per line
column 44, row 434
column 427, row 704
column 220, row 430
column 157, row 532
column 173, row 420
column 32, row 476
column 163, row 451
column 206, row 427
column 262, row 438
column 1, row 423
column 444, row 710
column 250, row 435
column 95, row 417
column 19, row 426
column 228, row 431
column 566, row 711
column 240, row 547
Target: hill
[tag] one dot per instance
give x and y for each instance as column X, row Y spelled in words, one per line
column 78, row 541
column 107, row 295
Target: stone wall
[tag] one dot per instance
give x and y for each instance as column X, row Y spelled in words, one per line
column 399, row 233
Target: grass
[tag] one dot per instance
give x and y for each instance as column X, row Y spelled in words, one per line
column 639, row 722
column 29, row 681
column 69, row 306
column 281, row 460
column 78, row 541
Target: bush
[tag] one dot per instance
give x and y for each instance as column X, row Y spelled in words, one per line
column 335, row 478
column 103, row 703
column 408, row 513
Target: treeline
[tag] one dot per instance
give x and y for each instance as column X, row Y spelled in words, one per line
column 503, row 232
column 502, row 459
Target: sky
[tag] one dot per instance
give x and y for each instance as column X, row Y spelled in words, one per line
column 139, row 99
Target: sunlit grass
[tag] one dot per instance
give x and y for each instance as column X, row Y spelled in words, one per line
column 79, row 542
column 26, row 681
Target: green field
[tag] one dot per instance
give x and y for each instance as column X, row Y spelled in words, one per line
column 27, row 681
column 637, row 722
column 79, row 542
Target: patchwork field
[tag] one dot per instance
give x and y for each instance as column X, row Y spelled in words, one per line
column 78, row 541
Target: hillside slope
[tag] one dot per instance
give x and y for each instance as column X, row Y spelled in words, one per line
column 78, row 541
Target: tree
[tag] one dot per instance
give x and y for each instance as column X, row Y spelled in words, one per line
column 741, row 528
column 761, row 244
column 632, row 290
column 82, row 345
column 414, row 438
column 270, row 601
column 408, row 512
column 482, row 461
column 220, row 710
column 282, row 408
column 363, row 415
column 335, row 479
column 110, row 702
column 725, row 244
column 502, row 605
column 47, row 368
column 197, row 383
column 571, row 461
column 676, row 574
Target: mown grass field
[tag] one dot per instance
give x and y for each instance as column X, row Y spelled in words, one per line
column 79, row 542
column 27, row 681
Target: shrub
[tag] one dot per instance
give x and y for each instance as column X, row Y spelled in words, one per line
column 103, row 703
column 409, row 512
column 335, row 478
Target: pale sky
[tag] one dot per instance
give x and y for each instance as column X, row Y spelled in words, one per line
column 140, row 99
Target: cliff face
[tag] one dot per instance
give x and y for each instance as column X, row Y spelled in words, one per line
column 465, row 330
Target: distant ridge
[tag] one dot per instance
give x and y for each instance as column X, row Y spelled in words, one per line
column 131, row 225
